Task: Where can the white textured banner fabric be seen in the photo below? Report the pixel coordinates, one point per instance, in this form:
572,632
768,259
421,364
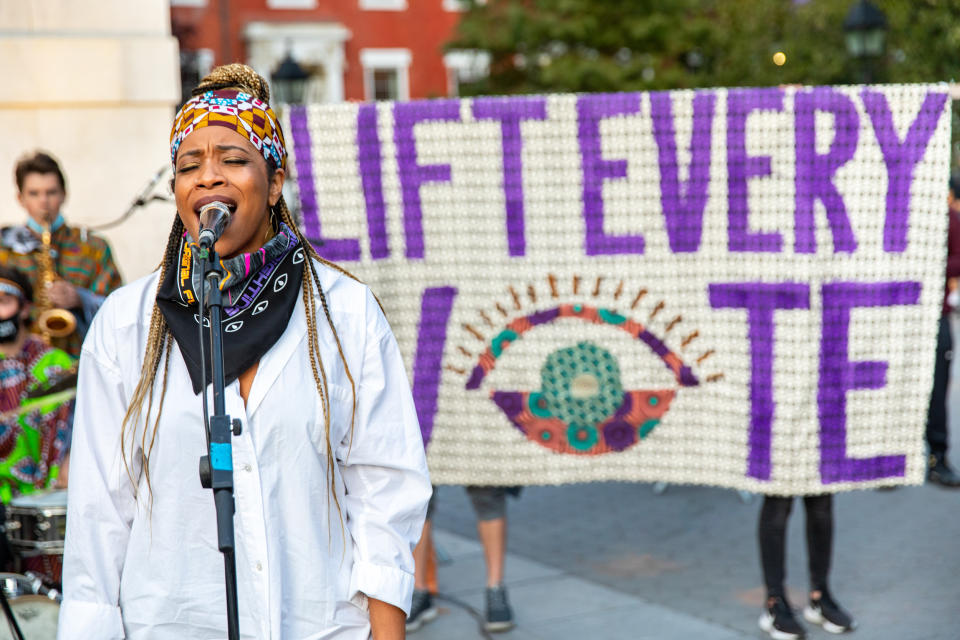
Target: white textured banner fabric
736,287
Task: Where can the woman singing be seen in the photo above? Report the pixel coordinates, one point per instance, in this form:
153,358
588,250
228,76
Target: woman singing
330,478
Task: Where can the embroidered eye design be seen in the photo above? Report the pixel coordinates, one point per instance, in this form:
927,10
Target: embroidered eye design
260,308
206,321
280,282
233,326
582,406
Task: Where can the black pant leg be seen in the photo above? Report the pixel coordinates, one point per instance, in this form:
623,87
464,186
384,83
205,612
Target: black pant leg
819,538
937,413
772,535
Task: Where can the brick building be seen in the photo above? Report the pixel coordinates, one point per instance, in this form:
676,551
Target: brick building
352,49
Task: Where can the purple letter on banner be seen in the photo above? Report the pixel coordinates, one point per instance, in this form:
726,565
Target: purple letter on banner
838,375
815,172
901,158
412,175
371,174
591,109
760,299
683,203
741,167
431,339
330,248
510,111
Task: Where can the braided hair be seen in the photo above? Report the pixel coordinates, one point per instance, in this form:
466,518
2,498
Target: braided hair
160,339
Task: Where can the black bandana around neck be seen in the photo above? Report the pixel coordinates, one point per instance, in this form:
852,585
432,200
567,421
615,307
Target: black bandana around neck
259,294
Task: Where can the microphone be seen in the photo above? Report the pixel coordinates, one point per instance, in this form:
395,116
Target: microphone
214,218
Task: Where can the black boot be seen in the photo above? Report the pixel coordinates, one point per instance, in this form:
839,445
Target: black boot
939,472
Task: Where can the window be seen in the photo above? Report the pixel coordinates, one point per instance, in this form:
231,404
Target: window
383,5
465,66
291,4
188,3
316,46
386,84
386,74
459,5
194,65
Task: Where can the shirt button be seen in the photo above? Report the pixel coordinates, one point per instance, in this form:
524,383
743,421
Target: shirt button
247,467
259,567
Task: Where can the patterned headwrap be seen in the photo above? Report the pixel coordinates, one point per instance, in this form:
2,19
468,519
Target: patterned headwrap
12,288
241,112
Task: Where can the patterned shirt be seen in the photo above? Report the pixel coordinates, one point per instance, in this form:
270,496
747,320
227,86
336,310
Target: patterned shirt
79,257
33,441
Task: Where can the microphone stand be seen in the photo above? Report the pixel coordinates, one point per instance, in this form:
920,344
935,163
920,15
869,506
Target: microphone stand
216,468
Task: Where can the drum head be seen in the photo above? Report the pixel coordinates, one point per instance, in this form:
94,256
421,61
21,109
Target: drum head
36,616
41,499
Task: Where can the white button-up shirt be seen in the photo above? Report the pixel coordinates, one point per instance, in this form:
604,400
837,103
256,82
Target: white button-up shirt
149,567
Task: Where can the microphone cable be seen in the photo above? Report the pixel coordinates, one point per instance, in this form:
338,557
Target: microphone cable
142,199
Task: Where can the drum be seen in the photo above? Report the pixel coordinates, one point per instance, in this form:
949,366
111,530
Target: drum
36,614
36,527
37,522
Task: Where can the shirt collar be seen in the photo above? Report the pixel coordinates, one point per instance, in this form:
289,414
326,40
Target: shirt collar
37,228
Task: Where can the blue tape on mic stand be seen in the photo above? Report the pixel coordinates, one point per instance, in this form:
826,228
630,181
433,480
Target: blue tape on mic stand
221,458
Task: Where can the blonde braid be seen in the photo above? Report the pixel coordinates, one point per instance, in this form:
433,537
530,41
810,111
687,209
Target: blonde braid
235,76
311,282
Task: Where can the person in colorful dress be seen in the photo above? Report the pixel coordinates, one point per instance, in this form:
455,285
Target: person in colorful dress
85,271
330,480
34,425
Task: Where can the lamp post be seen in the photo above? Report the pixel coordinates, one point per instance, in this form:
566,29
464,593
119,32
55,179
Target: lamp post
865,30
289,81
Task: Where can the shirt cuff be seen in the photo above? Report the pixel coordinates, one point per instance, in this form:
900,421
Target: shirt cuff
80,620
387,584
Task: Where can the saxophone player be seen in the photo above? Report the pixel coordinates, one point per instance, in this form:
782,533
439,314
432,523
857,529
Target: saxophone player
70,269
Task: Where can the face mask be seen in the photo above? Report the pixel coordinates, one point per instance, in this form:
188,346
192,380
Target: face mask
9,328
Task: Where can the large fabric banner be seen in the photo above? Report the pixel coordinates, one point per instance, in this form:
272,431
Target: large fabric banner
736,287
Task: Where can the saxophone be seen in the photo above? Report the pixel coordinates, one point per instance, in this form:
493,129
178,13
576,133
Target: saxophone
51,322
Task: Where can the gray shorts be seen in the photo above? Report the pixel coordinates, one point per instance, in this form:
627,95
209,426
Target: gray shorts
489,503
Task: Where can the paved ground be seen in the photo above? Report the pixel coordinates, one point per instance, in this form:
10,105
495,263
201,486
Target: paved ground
614,561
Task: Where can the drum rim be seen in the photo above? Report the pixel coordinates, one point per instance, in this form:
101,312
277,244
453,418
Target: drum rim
33,511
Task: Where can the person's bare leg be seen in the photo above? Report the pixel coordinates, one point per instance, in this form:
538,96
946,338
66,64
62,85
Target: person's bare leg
421,557
493,536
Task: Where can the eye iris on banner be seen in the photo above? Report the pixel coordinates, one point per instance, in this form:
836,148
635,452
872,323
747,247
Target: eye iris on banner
582,383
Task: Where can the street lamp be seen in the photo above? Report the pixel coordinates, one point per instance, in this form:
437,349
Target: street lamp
865,28
289,81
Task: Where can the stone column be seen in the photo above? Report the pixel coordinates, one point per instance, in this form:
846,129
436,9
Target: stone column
96,84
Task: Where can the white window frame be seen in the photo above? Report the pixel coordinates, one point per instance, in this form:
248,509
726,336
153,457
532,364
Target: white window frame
188,3
473,60
291,4
383,5
386,59
457,6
